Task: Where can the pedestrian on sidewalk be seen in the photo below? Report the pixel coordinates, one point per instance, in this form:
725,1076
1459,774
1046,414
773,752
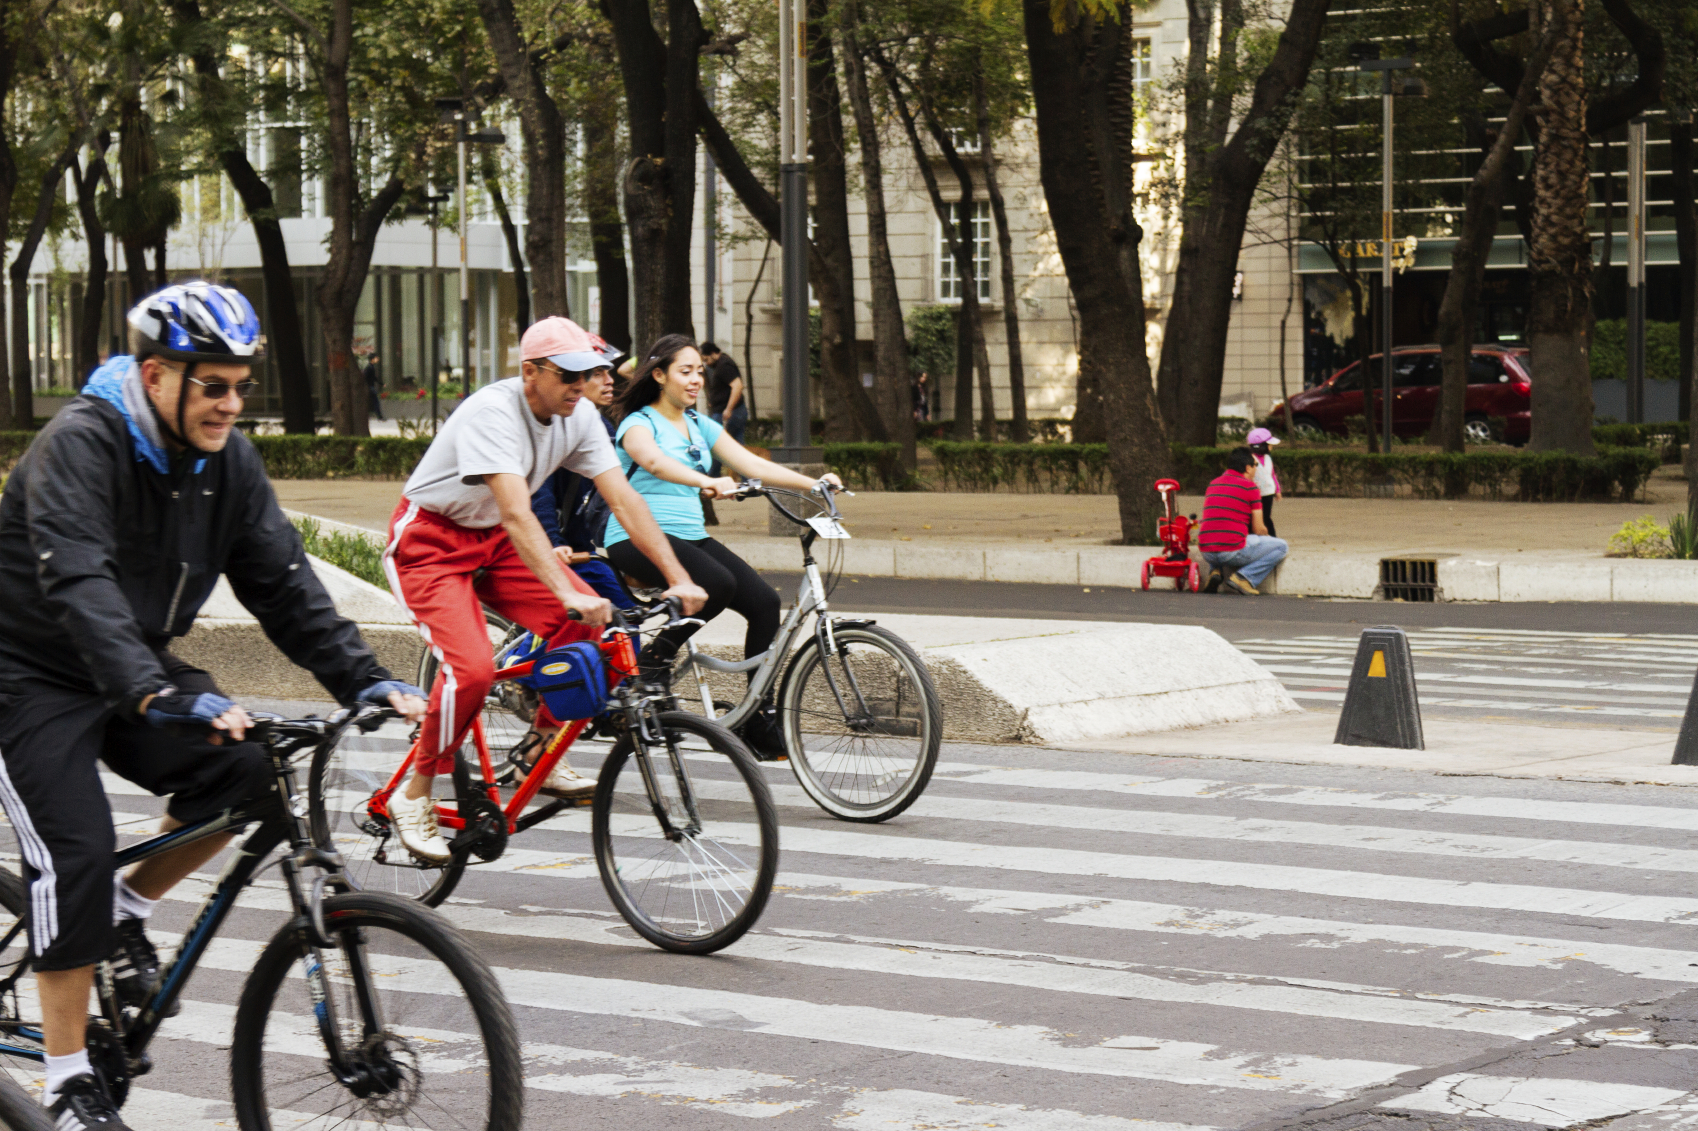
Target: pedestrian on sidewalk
374,386
1233,539
1261,440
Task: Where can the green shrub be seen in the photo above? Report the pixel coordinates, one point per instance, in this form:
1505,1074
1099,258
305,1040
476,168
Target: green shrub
362,557
931,342
1062,469
1666,438
1524,476
868,466
1609,350
339,457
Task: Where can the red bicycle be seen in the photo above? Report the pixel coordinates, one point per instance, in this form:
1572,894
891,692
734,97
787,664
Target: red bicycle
682,824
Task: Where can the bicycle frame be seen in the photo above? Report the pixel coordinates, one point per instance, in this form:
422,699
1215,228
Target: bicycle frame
621,663
278,822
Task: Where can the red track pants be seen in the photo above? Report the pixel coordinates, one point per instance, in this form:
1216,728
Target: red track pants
430,562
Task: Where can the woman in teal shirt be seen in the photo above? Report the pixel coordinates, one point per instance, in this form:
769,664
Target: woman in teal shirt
667,448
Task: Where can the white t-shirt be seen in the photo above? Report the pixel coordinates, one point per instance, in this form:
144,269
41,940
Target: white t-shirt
493,432
1265,481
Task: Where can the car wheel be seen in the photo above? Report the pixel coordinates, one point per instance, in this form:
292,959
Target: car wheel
1477,430
1307,428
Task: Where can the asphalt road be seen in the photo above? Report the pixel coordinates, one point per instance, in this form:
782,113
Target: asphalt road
1578,664
1052,941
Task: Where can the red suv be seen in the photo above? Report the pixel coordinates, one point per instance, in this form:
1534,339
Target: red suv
1498,385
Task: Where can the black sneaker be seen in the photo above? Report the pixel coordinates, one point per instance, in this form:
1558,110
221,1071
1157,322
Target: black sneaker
764,736
83,1105
135,966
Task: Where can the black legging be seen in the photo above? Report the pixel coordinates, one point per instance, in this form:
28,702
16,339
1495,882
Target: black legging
731,583
1267,514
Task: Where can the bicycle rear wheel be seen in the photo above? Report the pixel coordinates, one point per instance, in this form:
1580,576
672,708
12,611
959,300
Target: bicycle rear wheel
863,725
689,864
435,1045
19,1110
17,1075
340,784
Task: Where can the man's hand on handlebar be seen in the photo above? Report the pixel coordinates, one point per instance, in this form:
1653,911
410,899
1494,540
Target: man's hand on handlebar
206,709
829,479
690,595
587,607
570,557
407,700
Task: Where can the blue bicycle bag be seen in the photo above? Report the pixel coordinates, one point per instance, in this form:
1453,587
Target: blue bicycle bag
572,680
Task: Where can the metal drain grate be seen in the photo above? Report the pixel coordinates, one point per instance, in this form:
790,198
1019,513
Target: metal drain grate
1409,579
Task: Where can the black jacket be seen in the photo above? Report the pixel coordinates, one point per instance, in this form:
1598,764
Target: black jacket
109,546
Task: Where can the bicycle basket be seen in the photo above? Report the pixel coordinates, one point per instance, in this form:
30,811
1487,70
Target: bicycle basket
572,680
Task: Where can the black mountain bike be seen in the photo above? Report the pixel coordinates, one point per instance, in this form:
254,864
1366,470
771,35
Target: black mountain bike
364,1008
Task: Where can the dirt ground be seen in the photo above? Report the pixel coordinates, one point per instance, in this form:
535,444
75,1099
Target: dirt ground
1343,525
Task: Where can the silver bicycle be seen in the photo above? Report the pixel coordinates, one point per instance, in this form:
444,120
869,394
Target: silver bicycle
861,720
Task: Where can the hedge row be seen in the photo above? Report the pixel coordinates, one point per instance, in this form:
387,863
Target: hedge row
1526,476
1061,469
337,457
1666,438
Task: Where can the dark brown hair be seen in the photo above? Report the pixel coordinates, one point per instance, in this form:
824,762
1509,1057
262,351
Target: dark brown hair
643,390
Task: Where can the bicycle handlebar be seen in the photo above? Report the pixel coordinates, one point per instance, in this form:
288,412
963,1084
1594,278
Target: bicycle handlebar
270,728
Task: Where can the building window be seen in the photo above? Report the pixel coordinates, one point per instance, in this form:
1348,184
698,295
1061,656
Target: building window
949,283
1142,68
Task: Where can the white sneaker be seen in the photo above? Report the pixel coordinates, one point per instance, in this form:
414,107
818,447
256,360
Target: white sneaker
568,783
415,824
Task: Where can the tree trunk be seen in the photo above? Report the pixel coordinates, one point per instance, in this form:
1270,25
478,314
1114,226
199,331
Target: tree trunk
963,429
354,227
661,100
961,250
853,416
543,134
10,21
1081,92
1020,429
285,338
1481,209
86,351
1221,176
1559,259
23,386
607,230
890,336
1686,243
510,233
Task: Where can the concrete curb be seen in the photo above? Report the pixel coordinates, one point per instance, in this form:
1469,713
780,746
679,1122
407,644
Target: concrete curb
1461,576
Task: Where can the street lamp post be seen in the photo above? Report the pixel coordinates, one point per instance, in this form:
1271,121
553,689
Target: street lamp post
431,200
1367,59
793,230
1636,271
453,110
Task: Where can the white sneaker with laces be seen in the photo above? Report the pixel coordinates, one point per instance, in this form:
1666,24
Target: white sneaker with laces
568,783
415,824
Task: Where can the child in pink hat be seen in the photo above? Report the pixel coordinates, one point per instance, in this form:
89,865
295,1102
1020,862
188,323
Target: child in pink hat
1260,440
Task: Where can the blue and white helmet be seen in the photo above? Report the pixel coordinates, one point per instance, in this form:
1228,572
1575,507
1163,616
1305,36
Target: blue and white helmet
196,321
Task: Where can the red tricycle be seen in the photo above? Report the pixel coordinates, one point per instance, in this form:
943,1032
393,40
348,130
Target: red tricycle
1175,531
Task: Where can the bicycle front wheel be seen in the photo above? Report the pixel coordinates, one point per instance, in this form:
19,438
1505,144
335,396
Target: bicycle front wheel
425,1035
862,725
685,834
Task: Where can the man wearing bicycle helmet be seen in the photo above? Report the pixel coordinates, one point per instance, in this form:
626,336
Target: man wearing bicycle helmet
464,536
114,527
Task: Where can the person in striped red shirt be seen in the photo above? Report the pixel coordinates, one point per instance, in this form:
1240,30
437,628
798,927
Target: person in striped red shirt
1233,538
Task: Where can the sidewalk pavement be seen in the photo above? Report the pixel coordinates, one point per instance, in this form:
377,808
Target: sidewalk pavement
1484,551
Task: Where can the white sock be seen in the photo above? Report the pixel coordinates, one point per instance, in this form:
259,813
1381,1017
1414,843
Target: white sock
61,1069
127,904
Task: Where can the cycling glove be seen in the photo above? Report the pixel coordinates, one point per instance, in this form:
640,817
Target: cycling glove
173,709
379,693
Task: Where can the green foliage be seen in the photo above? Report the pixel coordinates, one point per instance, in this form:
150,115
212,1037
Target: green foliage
1666,438
931,341
869,466
1683,535
1055,469
1609,350
339,457
1614,473
1641,538
362,557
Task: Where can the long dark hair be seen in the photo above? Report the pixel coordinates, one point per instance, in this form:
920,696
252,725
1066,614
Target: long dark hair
642,389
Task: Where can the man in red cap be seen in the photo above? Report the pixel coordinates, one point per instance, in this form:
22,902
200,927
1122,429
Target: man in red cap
464,536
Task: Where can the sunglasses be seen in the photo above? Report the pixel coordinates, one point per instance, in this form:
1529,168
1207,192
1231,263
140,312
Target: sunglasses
218,390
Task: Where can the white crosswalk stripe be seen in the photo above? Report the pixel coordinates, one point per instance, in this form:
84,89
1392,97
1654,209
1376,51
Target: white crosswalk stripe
1641,679
1172,952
